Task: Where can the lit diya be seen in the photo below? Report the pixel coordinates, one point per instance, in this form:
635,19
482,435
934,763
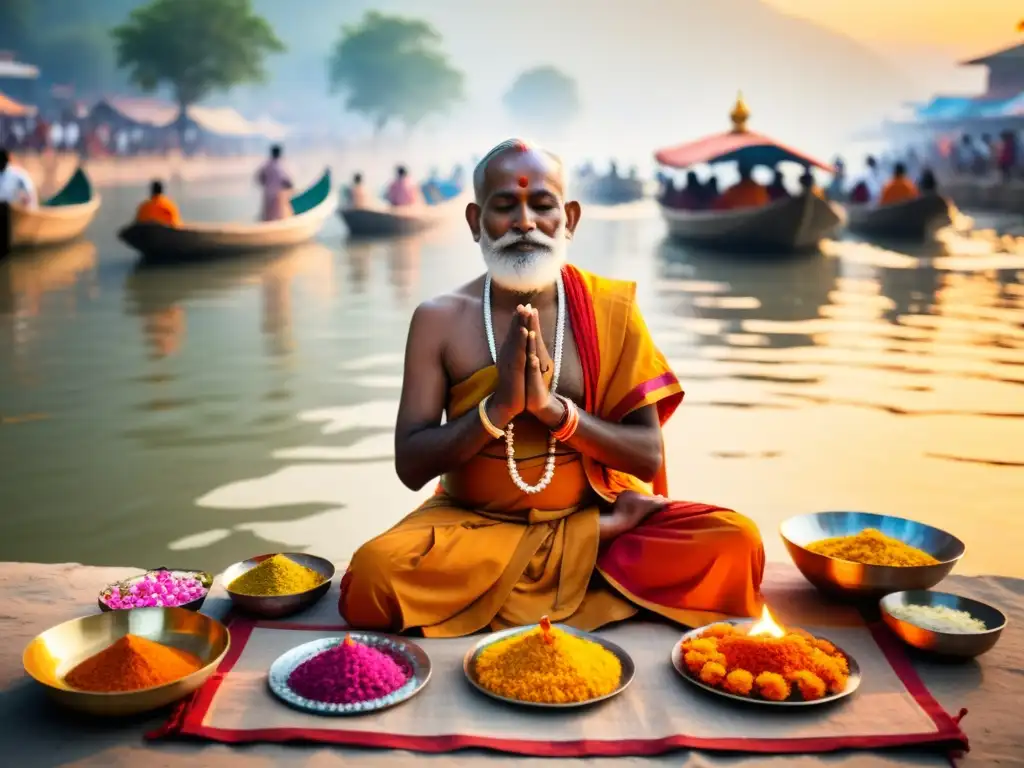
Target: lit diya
764,662
548,666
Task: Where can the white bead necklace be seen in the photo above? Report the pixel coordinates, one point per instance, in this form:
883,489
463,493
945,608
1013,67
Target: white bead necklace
510,452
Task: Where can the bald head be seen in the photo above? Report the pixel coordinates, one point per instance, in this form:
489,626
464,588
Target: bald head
515,151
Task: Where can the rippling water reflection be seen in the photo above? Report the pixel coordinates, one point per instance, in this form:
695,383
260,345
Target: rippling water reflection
196,416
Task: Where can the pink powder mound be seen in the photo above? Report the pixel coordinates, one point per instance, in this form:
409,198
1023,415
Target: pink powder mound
350,673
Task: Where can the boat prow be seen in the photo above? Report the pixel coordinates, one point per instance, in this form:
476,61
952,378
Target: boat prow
197,241
910,220
62,218
402,220
794,224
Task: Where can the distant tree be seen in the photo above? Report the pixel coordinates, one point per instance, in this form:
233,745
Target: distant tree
15,25
391,69
543,98
195,47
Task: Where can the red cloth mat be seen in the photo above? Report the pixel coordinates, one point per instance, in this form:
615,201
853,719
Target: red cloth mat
659,712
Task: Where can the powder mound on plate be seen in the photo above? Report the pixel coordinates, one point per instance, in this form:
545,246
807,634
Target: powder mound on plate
349,673
872,547
132,664
547,665
277,575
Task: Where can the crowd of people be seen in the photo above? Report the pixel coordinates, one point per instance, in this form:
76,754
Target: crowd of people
402,191
704,195
979,156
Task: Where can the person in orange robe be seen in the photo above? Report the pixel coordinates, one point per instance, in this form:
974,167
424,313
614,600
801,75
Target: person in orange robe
158,209
746,193
900,188
601,540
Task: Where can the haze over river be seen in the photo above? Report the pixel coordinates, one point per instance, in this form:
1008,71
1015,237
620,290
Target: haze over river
195,416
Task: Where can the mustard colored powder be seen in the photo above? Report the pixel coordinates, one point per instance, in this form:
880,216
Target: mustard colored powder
276,576
527,667
872,547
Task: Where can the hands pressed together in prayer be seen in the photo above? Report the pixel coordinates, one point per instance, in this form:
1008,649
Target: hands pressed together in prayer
523,361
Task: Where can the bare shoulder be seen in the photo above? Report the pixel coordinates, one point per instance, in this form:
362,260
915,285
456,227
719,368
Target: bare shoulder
435,317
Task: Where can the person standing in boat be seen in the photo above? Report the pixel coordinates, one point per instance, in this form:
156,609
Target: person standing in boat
777,189
402,191
276,188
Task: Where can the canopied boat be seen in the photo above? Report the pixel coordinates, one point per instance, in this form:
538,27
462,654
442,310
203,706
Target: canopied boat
195,241
60,219
793,223
914,219
385,221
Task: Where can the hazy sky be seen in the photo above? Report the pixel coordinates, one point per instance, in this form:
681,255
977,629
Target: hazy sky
946,24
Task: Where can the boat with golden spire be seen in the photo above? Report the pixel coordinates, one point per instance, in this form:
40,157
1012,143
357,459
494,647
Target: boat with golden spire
790,223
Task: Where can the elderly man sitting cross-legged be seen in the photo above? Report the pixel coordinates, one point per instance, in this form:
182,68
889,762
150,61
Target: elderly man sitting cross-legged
552,479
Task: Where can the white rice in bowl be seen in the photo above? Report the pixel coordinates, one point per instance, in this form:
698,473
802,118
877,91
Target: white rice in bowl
939,618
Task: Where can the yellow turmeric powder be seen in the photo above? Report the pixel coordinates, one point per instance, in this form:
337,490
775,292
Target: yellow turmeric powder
872,547
547,665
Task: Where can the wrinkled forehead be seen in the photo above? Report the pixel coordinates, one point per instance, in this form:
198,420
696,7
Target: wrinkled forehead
532,170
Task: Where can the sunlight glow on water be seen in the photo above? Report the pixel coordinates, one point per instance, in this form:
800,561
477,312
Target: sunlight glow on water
193,417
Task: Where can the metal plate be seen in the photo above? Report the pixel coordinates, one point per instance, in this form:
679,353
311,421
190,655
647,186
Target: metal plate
852,682
287,663
469,666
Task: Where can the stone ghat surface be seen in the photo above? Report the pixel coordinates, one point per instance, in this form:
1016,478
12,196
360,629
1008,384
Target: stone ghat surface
35,733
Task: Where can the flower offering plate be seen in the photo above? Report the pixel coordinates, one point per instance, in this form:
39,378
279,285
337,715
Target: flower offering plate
852,682
469,666
286,663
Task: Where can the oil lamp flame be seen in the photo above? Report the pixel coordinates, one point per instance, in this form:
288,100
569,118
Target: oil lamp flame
766,626
545,628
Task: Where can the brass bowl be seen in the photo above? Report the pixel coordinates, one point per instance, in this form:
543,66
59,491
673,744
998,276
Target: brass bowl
842,578
951,644
206,579
277,606
58,650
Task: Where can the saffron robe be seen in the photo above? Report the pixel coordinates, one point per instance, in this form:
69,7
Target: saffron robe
899,190
480,553
745,194
158,210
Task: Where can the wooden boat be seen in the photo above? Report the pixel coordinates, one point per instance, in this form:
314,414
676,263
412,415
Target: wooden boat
402,220
60,219
197,241
793,224
911,220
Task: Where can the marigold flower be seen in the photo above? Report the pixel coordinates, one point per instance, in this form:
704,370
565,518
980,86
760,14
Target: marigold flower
712,673
739,681
772,686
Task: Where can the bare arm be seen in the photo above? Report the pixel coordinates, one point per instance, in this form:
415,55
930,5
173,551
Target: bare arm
633,446
425,448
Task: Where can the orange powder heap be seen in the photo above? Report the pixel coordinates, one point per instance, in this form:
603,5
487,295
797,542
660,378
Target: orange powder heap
131,664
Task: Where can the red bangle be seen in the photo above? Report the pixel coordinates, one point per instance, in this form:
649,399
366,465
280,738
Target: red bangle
572,421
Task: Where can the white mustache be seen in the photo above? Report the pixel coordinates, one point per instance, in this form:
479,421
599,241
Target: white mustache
512,239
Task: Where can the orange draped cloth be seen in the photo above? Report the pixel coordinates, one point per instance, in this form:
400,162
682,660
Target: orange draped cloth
480,553
746,194
899,190
158,210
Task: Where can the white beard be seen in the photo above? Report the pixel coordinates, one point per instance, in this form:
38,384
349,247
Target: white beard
525,271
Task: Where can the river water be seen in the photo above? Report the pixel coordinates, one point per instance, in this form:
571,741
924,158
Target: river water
195,416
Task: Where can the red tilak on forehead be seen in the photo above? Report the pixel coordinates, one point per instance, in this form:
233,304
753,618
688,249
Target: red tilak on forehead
524,182
521,146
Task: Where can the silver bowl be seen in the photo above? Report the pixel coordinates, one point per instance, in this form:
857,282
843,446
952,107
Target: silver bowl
950,644
58,650
206,579
276,606
843,578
